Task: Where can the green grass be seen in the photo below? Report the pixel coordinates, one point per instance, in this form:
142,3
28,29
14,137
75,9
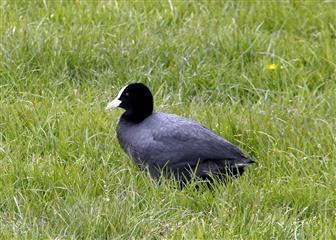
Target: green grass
63,174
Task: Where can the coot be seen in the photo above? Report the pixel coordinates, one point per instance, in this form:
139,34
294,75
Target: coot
170,145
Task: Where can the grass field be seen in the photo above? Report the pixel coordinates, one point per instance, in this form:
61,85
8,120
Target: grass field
63,174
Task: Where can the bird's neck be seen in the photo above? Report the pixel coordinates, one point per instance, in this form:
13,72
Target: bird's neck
136,116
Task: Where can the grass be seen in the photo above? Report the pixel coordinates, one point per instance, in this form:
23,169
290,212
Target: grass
63,174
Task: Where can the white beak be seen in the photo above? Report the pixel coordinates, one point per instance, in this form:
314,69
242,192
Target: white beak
115,103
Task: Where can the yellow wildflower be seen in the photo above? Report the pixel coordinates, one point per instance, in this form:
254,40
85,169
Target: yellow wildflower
271,66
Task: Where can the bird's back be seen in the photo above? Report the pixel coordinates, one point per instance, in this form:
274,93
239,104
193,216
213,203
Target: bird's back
180,144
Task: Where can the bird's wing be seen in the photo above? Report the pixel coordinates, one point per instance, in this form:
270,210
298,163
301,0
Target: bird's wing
186,143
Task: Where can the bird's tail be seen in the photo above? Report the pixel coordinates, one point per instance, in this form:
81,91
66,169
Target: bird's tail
237,167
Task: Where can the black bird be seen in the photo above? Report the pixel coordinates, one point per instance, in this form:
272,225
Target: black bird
171,145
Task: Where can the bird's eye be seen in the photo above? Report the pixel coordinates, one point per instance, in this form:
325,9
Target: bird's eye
126,94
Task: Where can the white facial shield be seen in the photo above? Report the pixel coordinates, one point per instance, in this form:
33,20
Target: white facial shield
115,102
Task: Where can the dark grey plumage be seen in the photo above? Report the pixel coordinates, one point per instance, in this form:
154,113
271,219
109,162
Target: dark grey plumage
170,144
179,144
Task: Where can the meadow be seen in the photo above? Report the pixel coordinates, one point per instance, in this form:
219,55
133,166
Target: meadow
260,74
